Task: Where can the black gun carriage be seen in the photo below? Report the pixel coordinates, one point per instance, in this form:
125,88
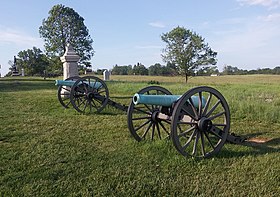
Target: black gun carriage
198,122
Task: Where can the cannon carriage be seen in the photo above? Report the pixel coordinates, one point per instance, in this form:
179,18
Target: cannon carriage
87,94
198,122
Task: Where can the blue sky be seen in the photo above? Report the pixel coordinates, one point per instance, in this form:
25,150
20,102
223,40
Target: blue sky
245,33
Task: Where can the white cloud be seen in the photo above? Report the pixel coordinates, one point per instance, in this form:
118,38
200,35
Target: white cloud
157,24
253,43
275,17
18,38
271,4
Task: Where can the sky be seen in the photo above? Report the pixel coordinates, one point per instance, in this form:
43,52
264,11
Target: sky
245,33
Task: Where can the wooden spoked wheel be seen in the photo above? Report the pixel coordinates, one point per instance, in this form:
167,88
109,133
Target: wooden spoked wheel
200,126
142,118
89,95
63,93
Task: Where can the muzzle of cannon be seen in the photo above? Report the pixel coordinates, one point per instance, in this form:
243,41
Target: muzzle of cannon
198,121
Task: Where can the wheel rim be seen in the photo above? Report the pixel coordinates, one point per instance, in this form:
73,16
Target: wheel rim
87,98
142,118
63,93
200,130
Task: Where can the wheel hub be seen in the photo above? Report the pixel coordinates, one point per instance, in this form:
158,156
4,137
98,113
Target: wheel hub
204,124
90,95
155,115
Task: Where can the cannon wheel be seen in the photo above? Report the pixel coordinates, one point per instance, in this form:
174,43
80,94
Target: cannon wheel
140,119
200,130
63,93
87,98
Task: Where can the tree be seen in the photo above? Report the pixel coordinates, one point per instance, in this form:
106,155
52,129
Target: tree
122,70
207,71
276,70
187,50
63,26
230,70
160,70
140,69
156,69
33,61
55,67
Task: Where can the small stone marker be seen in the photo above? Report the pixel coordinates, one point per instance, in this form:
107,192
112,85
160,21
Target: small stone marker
106,75
22,72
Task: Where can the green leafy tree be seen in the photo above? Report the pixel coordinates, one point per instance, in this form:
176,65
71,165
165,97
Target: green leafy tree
33,61
122,70
161,70
208,71
140,69
55,67
230,70
64,25
156,69
187,50
276,70
172,69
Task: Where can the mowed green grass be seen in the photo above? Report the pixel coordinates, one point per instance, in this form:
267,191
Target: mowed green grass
46,150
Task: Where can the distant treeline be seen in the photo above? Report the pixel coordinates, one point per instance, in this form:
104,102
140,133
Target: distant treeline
230,70
171,70
49,68
140,69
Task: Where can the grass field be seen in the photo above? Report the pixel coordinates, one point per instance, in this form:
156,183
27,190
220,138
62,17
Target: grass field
46,150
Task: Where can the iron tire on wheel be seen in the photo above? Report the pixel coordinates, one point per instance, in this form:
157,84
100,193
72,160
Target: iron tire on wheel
201,129
89,94
63,93
139,118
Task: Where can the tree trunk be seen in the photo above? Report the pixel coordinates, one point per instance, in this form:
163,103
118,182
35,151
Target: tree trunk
186,74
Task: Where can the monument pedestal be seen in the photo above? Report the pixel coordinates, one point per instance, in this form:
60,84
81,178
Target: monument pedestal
70,67
70,62
15,73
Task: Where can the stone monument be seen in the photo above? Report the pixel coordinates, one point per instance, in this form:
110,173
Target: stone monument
14,68
70,62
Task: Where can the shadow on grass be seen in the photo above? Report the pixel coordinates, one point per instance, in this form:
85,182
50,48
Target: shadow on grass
25,79
109,110
260,146
16,85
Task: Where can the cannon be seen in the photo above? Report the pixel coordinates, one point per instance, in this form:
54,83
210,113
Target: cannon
198,122
87,94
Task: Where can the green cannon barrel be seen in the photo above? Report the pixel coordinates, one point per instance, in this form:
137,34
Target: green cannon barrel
71,83
163,100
